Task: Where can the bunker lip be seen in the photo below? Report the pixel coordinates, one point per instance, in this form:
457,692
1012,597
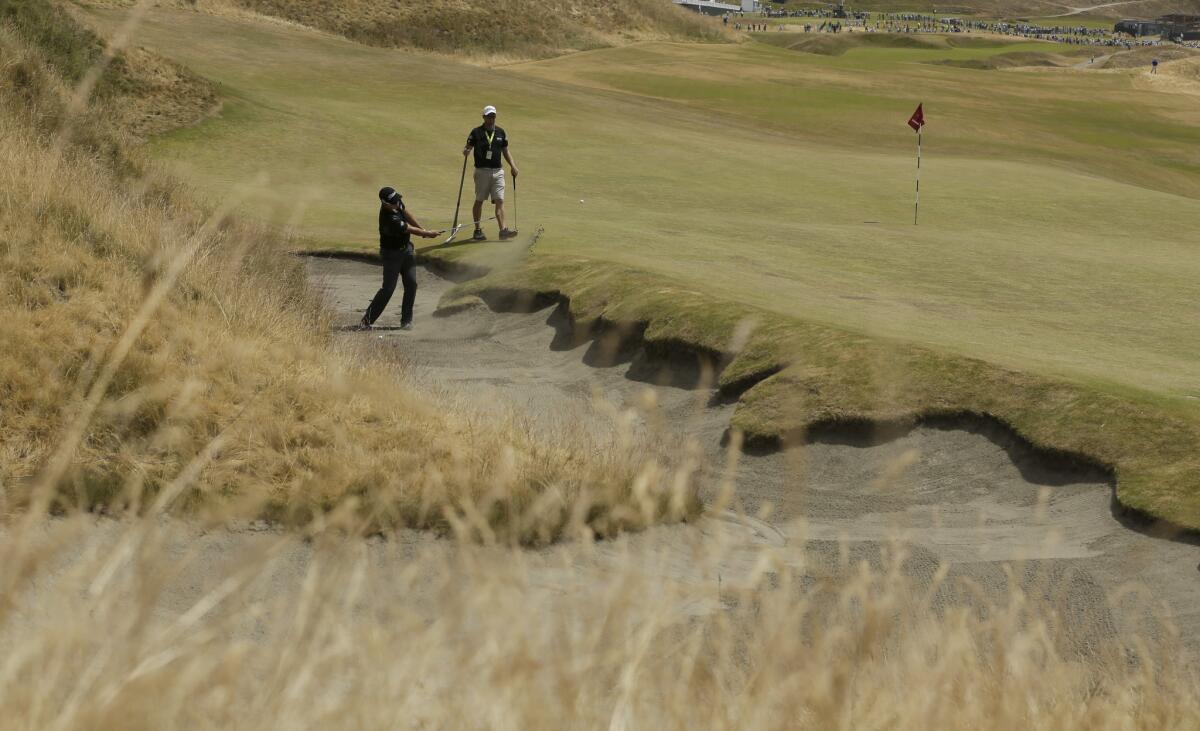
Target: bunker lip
676,363
1038,464
613,341
610,344
691,364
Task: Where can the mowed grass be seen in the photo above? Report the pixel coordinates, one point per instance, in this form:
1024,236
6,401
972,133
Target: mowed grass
1054,234
752,173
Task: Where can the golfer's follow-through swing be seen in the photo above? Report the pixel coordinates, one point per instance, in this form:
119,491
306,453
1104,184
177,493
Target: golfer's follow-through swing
396,228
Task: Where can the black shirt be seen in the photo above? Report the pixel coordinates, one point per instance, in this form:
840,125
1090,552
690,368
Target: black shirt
479,140
393,228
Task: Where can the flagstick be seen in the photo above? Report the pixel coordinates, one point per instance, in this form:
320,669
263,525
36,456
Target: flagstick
917,204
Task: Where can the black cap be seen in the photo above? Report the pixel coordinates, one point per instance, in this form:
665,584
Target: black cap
388,195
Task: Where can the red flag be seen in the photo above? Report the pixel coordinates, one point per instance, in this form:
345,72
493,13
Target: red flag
917,120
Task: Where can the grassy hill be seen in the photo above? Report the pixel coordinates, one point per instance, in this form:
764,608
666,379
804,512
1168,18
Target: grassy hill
142,94
1140,58
730,181
507,29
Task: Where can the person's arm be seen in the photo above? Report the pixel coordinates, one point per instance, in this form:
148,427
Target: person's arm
412,221
402,225
424,233
470,143
512,165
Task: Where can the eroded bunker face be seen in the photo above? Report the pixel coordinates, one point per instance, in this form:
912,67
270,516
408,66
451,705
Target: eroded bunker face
960,492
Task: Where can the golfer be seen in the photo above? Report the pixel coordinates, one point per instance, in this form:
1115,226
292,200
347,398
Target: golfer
489,142
396,227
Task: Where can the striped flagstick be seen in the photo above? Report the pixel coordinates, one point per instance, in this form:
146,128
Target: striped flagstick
917,201
917,121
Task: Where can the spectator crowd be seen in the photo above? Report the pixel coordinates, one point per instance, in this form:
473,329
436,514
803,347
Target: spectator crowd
834,20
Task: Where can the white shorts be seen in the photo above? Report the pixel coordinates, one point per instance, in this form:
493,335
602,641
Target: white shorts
489,183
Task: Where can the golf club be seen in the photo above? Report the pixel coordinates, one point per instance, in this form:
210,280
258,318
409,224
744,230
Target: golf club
514,228
460,226
462,179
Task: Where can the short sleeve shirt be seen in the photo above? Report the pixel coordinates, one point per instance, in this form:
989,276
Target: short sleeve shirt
485,141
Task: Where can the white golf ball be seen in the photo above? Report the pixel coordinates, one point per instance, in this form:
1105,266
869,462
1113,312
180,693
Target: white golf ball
581,200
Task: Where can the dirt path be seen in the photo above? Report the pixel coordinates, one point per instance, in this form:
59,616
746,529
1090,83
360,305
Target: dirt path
1093,63
973,499
1088,9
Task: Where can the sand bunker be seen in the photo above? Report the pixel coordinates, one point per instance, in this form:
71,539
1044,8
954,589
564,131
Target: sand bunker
1014,60
974,499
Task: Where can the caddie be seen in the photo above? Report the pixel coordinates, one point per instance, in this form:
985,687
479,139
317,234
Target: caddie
490,143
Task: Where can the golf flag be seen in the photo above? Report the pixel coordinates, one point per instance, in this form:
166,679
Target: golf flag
917,120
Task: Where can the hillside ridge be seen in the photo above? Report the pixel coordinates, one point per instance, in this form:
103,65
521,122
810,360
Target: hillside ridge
511,30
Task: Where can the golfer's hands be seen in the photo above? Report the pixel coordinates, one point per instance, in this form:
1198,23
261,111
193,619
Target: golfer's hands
432,234
514,173
466,151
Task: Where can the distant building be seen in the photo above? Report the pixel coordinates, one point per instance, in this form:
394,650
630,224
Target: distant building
1138,28
1181,27
1175,27
709,7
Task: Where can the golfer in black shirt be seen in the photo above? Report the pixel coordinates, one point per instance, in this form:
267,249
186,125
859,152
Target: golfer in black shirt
489,143
396,227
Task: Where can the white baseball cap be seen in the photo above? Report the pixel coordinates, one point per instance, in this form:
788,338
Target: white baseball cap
489,109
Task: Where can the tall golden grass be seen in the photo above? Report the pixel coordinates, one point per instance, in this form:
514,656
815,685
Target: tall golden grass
143,332
144,623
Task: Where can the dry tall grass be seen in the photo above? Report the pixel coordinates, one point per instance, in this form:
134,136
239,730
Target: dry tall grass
141,624
144,333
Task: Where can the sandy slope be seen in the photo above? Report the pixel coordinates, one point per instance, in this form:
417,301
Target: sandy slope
973,500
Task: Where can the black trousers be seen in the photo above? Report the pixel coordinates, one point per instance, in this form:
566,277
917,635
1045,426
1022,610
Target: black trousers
397,264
